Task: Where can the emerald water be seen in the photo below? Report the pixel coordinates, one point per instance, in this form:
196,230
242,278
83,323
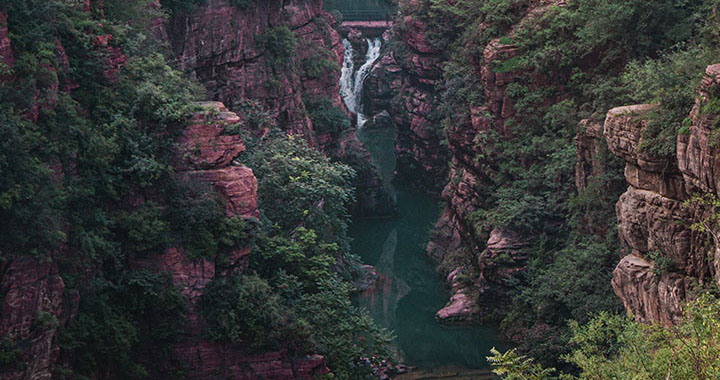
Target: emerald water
409,291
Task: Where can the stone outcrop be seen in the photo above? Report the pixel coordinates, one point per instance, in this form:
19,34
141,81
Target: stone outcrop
6,54
653,219
697,153
588,146
651,297
209,151
462,306
405,87
224,46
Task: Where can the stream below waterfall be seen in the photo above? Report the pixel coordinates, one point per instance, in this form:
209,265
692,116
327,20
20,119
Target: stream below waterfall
409,290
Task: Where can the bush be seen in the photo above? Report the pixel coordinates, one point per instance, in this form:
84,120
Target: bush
126,326
244,308
279,44
326,117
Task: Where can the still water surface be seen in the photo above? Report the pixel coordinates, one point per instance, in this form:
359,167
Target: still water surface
409,291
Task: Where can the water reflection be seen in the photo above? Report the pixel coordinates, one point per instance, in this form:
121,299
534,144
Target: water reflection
409,291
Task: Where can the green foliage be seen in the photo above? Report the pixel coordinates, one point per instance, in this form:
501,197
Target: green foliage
125,325
298,186
661,263
256,118
511,366
319,64
569,63
10,352
279,44
613,347
302,247
244,309
345,333
325,116
669,81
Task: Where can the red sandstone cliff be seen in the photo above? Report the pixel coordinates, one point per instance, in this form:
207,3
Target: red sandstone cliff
208,155
223,47
405,86
35,302
653,221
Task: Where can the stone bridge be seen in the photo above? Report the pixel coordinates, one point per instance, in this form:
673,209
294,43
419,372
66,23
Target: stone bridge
368,28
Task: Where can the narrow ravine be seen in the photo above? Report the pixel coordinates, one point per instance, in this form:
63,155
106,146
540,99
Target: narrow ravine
409,290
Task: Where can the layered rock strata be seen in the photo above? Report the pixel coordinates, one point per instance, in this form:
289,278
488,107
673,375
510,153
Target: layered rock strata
209,154
667,258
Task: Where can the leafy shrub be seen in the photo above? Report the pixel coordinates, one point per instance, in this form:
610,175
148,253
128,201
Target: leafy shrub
279,44
326,117
614,347
298,185
244,308
126,326
671,82
319,65
10,352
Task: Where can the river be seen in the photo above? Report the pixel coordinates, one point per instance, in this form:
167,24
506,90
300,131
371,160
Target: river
410,291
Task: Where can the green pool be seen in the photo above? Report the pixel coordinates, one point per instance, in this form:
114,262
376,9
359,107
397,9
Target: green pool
410,291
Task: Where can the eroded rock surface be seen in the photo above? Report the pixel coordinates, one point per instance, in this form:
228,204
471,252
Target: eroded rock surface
667,258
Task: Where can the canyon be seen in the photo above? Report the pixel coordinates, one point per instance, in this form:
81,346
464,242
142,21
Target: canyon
391,89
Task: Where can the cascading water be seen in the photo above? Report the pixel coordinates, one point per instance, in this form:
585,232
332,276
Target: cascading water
351,81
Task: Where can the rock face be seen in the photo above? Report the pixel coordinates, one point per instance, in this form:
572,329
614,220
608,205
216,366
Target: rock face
237,55
242,55
404,84
6,54
697,154
208,151
651,297
653,219
31,309
405,87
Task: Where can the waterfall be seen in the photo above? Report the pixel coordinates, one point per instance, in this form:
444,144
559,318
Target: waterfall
351,81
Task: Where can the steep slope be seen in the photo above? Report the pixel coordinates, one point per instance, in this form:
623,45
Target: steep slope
518,92
280,59
668,259
128,224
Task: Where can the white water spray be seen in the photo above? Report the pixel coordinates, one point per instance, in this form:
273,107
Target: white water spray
351,81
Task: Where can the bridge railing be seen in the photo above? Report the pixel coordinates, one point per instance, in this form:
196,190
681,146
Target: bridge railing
365,15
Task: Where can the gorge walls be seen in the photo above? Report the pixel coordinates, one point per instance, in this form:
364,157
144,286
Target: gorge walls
136,155
403,85
283,59
242,53
518,109
669,261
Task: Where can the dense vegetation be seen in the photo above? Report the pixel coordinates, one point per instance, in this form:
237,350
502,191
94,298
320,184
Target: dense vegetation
88,182
614,347
575,61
